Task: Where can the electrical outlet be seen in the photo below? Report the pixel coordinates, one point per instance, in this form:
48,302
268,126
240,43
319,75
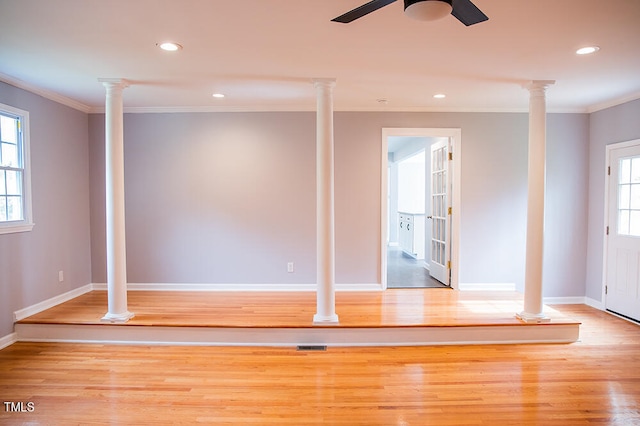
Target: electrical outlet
290,267
60,276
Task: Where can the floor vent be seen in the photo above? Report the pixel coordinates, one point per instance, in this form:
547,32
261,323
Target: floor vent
311,348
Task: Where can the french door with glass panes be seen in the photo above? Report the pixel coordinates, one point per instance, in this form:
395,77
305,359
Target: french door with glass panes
439,264
622,291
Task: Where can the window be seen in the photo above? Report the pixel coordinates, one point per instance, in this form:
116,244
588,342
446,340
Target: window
15,182
629,197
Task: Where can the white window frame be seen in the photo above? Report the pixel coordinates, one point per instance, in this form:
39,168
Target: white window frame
26,224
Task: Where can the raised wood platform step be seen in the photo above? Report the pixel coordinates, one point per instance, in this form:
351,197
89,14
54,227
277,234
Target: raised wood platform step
389,318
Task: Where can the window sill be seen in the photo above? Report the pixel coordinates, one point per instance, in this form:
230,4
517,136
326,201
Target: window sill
11,229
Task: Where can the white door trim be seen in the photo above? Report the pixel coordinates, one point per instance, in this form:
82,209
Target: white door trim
456,142
605,244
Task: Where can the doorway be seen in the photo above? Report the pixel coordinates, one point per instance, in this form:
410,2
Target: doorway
419,219
622,242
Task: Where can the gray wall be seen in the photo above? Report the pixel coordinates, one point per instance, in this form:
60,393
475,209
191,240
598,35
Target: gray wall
566,203
230,198
30,261
212,198
612,125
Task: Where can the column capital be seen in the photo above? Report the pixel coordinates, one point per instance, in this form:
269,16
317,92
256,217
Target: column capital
114,82
324,82
538,85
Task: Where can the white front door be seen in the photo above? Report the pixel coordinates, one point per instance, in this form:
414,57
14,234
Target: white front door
622,294
439,265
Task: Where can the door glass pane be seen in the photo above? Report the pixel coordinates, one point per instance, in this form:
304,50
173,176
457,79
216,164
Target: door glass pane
634,223
625,170
629,196
2,183
3,209
623,222
624,196
635,170
635,197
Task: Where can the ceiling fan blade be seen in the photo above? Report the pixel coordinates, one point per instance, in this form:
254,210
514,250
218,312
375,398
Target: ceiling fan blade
467,12
359,12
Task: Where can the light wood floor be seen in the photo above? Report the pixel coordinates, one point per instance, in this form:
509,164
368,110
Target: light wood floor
594,381
394,307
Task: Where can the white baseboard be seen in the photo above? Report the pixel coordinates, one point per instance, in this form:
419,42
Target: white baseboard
50,303
8,340
487,286
564,300
237,287
357,287
594,303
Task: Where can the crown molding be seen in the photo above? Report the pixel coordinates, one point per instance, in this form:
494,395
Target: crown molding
72,103
302,108
613,102
48,94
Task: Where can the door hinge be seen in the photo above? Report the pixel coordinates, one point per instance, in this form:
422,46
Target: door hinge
449,211
448,264
606,289
451,156
607,230
609,171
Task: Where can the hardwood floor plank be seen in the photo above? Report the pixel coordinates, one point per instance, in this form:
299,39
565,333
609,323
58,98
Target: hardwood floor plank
595,380
395,307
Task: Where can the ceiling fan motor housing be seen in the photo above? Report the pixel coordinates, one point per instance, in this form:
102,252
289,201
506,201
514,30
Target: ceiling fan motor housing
427,10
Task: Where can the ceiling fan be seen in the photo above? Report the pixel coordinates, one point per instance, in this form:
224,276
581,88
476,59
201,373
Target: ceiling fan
425,10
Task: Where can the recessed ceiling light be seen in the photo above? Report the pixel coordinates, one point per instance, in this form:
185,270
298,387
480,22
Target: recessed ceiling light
169,46
218,95
440,96
587,50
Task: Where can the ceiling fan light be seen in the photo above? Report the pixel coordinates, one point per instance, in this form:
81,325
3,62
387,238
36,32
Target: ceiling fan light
427,10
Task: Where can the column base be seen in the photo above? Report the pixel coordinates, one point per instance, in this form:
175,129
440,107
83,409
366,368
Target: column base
117,318
532,318
325,319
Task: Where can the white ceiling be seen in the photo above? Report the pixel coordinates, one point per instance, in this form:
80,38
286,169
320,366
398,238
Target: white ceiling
262,54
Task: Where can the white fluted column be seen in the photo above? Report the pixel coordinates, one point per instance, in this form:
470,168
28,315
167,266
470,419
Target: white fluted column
116,241
326,297
533,307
